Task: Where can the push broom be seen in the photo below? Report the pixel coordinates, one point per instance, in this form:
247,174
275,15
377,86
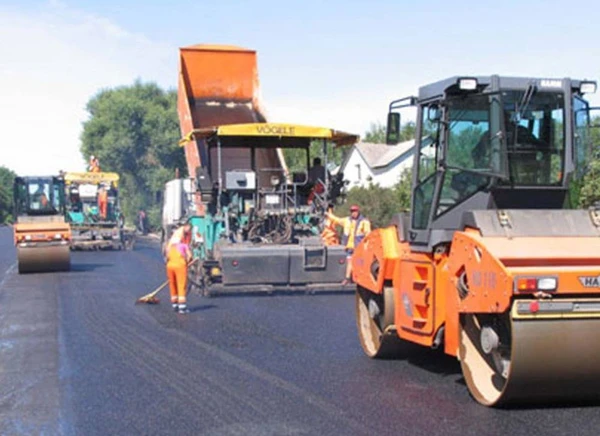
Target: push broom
151,297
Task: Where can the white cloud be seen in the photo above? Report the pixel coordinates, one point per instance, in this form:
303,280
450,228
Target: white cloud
53,59
51,63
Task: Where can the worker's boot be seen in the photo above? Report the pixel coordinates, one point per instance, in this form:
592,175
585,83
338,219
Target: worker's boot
175,307
183,309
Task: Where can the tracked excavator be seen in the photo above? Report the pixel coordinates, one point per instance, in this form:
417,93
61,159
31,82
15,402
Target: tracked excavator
492,264
41,235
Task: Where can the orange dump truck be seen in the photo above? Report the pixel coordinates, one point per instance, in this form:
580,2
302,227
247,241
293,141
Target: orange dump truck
41,235
218,85
491,264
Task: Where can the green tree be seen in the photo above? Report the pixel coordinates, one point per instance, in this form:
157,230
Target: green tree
380,204
376,133
134,131
586,191
6,204
403,190
295,158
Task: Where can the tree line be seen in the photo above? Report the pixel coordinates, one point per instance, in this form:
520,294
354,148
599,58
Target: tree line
134,131
7,177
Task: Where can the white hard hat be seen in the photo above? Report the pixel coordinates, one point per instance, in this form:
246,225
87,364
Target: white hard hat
92,157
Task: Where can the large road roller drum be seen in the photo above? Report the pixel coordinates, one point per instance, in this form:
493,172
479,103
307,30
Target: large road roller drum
542,352
44,259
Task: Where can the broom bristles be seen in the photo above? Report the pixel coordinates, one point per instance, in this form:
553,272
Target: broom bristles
148,299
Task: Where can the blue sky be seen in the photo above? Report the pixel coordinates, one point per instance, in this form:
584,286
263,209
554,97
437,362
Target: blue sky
335,63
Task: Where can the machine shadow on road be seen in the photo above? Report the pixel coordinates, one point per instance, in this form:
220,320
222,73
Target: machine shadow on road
435,361
87,267
269,293
550,405
202,307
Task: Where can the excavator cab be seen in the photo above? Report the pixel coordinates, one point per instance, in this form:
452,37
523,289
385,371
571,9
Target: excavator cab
492,264
41,235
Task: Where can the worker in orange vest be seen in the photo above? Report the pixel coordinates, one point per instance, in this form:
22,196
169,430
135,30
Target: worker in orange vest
356,227
179,255
329,234
94,165
102,202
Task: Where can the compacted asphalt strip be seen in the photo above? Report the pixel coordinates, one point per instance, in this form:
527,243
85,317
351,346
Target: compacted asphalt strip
77,356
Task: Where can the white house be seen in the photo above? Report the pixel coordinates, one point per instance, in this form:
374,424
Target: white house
377,163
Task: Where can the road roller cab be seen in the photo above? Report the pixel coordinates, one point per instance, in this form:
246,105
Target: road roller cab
492,264
41,235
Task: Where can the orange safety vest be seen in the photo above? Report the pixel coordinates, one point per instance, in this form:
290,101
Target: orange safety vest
94,166
176,256
354,230
329,234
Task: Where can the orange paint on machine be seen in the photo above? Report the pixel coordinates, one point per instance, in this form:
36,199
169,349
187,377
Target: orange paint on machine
491,265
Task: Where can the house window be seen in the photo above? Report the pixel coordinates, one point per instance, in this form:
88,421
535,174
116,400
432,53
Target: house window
358,173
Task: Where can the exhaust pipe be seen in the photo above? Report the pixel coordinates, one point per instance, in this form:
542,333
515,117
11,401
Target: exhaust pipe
439,338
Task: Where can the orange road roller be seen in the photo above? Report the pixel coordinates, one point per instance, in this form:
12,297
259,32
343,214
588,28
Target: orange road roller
494,263
41,235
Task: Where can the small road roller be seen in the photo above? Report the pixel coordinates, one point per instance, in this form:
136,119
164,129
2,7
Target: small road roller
41,235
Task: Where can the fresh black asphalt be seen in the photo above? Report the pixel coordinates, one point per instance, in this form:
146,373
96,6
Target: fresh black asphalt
78,357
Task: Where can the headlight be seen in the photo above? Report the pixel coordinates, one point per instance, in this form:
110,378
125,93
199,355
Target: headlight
547,284
467,84
587,87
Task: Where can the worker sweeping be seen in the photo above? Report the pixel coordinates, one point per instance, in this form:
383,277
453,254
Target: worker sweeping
178,256
356,227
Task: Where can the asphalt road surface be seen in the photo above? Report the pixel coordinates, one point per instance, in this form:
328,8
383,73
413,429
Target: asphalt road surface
78,357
